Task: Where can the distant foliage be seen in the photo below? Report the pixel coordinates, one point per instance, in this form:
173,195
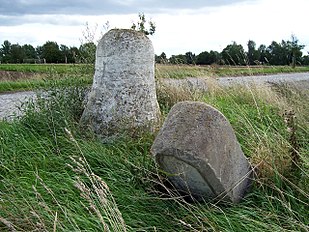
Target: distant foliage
283,53
234,54
208,58
252,54
162,59
87,53
277,53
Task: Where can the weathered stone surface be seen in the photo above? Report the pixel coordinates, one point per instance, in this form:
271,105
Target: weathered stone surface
198,147
123,96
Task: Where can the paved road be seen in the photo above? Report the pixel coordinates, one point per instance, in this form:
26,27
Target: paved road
9,102
301,80
295,78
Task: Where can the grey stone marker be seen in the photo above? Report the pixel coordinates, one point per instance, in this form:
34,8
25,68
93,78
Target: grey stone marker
197,146
123,96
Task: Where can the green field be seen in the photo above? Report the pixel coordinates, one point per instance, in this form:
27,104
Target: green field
180,71
55,176
48,68
171,71
19,77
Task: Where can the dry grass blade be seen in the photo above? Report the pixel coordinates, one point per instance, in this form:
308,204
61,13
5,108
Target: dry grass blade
8,224
97,193
55,222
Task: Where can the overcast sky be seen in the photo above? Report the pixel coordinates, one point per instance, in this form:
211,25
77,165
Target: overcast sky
182,26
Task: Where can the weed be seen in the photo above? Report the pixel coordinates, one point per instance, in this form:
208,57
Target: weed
173,91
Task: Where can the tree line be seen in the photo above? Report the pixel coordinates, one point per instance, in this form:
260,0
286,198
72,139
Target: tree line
283,53
50,52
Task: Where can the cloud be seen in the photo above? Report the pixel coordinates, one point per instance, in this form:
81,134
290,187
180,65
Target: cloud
64,20
196,26
99,7
25,7
215,28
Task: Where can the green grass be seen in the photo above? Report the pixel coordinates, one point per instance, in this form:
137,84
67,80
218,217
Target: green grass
23,77
25,85
54,176
182,71
35,76
49,68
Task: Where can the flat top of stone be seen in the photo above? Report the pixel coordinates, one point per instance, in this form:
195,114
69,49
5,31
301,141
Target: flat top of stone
130,31
124,44
114,35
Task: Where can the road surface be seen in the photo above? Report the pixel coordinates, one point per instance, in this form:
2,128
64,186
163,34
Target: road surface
10,103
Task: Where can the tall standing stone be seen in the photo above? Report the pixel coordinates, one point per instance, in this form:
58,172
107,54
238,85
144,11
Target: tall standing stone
123,96
198,147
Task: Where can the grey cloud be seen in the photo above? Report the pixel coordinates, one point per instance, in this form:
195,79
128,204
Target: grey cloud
82,7
99,7
13,20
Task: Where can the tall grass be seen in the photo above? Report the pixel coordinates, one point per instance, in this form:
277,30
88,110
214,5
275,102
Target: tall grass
54,176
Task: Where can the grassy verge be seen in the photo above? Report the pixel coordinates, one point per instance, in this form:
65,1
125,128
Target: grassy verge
56,177
49,68
162,71
21,77
25,85
181,71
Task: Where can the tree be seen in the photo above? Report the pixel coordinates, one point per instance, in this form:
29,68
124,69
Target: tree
39,53
6,52
305,60
178,59
207,58
11,53
65,52
17,54
233,54
276,53
252,54
30,53
140,26
162,59
203,58
51,52
74,53
87,53
263,54
295,50
190,58
279,53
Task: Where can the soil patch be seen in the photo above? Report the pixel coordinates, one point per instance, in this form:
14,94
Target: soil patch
15,75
